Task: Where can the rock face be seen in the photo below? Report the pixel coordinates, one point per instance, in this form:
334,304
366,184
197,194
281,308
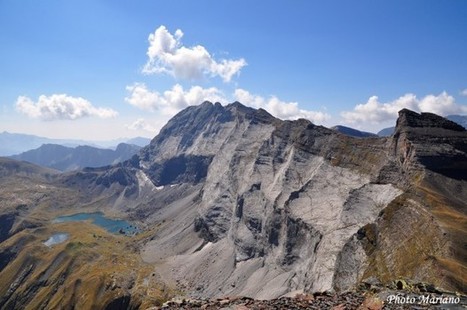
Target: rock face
239,203
428,161
290,206
437,143
458,119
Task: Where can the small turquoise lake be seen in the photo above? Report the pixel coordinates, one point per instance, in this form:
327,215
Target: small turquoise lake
98,218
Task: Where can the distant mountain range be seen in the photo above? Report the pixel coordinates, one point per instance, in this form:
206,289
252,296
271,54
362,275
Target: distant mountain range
386,132
16,143
353,132
459,119
65,158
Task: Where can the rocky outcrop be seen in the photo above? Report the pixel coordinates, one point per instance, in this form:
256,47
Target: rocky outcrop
420,234
6,223
410,120
414,296
431,141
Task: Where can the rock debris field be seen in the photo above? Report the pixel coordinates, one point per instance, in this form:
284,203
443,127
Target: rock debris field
345,301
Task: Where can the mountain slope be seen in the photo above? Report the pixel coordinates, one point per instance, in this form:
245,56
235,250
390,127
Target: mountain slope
386,132
273,187
267,188
459,119
91,269
423,230
67,158
236,202
353,132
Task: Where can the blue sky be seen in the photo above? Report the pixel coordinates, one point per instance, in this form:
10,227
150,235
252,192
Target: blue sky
88,69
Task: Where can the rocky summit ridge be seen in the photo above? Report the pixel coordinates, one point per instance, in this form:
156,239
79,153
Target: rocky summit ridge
235,202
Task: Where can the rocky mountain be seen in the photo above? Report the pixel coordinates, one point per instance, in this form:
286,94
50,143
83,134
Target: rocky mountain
234,202
139,141
386,132
16,143
459,119
67,158
353,132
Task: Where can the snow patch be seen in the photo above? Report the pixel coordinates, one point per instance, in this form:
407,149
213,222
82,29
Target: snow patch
144,181
56,239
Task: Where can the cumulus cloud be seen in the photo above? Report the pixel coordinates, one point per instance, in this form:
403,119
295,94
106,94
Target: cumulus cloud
141,124
278,108
166,54
374,111
464,92
170,101
60,107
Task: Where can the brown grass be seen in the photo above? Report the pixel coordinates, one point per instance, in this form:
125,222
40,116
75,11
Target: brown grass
94,267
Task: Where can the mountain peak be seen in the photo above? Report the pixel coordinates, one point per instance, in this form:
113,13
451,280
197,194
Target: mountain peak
408,118
194,118
236,104
433,141
206,103
239,107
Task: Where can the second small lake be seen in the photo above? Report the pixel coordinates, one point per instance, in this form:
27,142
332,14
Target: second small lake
98,218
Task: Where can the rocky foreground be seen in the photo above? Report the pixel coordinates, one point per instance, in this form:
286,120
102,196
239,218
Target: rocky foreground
400,295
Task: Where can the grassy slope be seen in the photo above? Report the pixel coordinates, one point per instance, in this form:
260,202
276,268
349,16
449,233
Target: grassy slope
90,269
420,236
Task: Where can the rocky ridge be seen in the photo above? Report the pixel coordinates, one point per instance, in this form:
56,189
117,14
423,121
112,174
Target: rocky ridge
328,192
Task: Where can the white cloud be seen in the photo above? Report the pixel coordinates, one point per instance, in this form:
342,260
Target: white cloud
141,124
278,108
167,55
142,97
464,92
171,101
59,107
374,111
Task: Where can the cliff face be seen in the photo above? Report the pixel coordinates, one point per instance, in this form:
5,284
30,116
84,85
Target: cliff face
421,234
237,202
434,142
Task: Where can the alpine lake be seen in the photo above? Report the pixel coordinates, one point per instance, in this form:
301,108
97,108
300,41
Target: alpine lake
114,226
